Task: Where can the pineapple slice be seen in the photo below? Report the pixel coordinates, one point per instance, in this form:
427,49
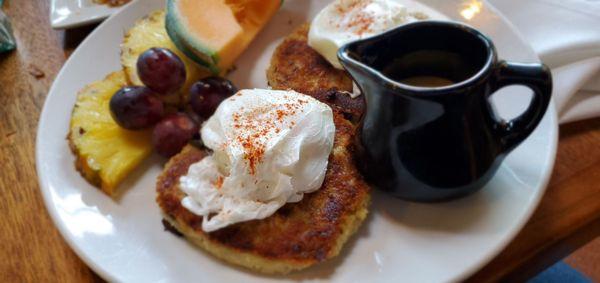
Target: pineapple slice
105,152
150,32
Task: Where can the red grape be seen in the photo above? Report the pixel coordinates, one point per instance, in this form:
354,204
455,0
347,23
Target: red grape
173,133
161,70
136,107
208,93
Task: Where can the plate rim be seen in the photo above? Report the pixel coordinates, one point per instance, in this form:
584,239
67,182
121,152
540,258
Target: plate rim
43,180
464,274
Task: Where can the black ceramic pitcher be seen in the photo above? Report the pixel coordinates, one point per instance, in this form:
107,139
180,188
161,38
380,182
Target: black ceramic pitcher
434,143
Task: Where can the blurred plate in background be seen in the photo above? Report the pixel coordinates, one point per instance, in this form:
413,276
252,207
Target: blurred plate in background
73,13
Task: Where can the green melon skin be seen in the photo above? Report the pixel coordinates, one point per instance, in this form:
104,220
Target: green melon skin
191,46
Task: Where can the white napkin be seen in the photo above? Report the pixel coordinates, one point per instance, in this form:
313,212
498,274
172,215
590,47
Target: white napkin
566,36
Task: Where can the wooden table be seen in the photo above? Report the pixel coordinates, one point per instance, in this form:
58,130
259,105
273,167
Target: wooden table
33,251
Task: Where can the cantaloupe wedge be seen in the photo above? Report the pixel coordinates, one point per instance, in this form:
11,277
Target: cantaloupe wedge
215,32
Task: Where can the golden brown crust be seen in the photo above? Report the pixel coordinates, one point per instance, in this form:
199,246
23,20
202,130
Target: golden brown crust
297,66
301,233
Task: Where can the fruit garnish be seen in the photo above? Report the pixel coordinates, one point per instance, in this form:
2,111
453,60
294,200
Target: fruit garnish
208,93
215,32
150,32
173,133
136,107
161,70
105,152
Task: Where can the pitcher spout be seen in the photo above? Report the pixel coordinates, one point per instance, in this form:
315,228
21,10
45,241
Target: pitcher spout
357,65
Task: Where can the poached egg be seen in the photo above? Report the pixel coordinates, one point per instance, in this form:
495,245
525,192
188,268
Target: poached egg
270,147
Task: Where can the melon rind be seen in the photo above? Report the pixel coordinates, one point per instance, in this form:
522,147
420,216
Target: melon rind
187,43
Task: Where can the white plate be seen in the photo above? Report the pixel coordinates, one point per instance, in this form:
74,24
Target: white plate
73,13
400,241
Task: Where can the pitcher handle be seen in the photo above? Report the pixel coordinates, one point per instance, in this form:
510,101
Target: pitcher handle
536,77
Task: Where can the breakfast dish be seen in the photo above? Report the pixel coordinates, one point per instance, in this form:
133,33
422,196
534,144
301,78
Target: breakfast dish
306,225
273,186
299,234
